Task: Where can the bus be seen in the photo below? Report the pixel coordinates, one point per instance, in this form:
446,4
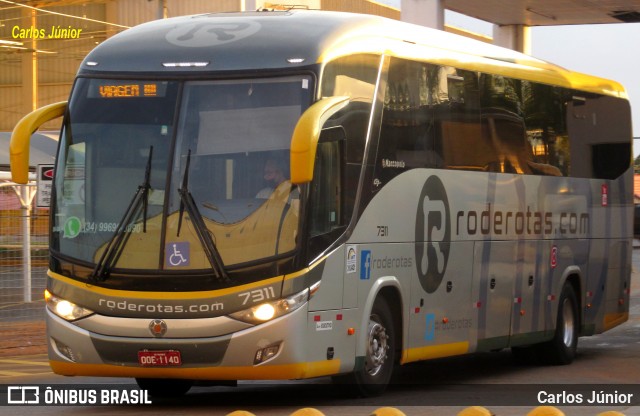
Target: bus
299,194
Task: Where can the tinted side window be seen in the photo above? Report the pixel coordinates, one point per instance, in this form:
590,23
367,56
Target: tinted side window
600,135
430,115
524,122
545,118
443,117
353,76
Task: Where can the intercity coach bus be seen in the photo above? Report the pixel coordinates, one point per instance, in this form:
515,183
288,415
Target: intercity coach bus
296,194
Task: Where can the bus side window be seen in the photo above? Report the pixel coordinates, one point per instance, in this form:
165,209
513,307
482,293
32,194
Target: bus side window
544,115
328,219
517,123
408,132
599,131
456,116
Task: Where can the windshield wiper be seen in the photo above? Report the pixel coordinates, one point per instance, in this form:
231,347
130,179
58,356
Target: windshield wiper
187,202
116,244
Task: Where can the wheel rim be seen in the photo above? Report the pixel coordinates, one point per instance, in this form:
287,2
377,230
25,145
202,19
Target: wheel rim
376,348
568,320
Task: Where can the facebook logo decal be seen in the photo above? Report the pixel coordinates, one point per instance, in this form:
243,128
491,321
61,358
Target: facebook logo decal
430,330
365,264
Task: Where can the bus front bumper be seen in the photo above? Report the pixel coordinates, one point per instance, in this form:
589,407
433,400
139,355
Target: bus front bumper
74,351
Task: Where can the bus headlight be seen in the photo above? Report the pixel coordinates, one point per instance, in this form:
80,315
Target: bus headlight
271,310
66,310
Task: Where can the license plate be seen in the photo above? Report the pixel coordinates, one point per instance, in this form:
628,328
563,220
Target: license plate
159,358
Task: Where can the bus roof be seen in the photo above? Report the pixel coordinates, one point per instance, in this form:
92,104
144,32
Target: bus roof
257,41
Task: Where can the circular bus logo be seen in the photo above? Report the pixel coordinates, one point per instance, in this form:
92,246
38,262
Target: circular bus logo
202,33
158,327
433,234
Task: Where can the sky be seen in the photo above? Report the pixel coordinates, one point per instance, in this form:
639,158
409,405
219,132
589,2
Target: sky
607,51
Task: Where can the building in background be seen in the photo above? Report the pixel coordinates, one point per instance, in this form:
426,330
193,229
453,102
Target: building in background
38,70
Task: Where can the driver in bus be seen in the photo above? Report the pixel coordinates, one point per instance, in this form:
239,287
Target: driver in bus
273,176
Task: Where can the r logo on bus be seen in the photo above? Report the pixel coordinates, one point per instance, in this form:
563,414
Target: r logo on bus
203,33
433,234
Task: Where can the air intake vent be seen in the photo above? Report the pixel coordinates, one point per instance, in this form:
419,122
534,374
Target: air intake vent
627,16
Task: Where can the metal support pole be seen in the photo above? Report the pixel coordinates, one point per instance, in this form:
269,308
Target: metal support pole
25,201
429,13
162,9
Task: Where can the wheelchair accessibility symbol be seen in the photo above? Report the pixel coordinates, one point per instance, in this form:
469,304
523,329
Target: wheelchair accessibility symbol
177,254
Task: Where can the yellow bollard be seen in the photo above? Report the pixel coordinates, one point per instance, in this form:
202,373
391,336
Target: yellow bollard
611,413
387,411
475,411
545,411
240,413
307,411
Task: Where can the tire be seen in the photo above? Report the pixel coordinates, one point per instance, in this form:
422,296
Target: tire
562,349
163,387
373,379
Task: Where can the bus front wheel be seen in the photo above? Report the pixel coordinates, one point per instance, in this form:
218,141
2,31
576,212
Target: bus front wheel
373,378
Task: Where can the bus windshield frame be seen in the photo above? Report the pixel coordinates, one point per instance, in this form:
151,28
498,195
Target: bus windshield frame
234,136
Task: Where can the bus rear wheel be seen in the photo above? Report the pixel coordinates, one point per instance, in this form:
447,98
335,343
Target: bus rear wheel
562,349
374,377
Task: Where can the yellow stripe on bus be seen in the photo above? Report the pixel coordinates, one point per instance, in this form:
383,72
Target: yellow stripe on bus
265,372
180,295
434,351
614,319
161,295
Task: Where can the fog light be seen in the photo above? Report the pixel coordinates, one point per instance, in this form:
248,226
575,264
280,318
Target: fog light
65,350
265,354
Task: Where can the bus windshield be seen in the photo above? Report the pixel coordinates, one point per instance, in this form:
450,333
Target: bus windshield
164,175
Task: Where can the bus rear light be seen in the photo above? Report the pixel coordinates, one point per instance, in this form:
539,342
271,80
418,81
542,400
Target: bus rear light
265,354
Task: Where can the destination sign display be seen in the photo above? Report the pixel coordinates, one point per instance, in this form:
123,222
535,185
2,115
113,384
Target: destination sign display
126,89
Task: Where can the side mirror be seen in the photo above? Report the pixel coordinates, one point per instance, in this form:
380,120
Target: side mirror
306,135
21,136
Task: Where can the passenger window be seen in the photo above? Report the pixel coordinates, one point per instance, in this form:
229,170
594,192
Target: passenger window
428,112
523,122
600,132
